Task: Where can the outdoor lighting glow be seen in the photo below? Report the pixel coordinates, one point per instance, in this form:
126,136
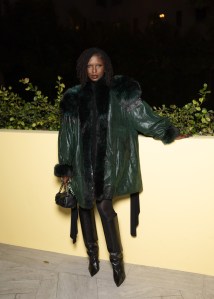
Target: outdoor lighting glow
162,16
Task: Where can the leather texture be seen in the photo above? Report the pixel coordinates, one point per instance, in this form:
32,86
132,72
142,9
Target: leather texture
65,199
128,115
113,241
89,232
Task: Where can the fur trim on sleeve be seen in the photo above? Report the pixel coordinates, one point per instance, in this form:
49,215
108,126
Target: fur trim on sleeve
170,134
61,170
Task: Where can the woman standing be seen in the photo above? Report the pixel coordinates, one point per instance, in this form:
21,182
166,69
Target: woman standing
98,148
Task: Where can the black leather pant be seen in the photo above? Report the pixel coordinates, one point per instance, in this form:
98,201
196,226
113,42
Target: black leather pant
105,209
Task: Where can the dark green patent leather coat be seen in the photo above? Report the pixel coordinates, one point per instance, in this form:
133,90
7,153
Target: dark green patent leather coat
127,116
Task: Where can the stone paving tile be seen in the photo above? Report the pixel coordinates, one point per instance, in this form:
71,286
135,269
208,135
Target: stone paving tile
209,287
26,296
73,265
192,295
35,274
133,288
7,265
25,273
8,296
47,289
168,278
28,255
75,286
14,287
209,283
32,261
31,253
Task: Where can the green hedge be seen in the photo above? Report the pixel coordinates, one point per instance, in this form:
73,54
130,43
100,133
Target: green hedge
38,114
41,114
192,118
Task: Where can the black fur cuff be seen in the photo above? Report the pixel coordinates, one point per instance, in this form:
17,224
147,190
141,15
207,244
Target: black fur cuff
170,135
61,170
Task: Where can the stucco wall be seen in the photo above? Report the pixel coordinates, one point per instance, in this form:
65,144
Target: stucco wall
176,228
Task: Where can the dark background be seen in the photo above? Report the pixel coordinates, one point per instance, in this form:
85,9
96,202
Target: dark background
171,67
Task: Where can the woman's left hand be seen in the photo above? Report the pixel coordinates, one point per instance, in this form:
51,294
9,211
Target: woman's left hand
182,136
65,179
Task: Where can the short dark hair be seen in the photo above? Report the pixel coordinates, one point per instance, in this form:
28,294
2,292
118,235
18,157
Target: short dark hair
82,62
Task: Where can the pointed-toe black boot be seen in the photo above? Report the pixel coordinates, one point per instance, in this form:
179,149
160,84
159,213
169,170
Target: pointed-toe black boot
119,275
113,241
89,232
92,250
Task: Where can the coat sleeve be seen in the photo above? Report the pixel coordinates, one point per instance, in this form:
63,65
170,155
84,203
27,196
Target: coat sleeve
65,141
66,137
143,119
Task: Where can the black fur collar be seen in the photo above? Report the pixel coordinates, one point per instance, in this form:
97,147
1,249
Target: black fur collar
93,115
122,86
93,91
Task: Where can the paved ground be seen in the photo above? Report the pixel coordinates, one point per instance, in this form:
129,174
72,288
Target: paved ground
34,274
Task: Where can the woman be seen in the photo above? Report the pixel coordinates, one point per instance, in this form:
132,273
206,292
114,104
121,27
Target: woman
98,148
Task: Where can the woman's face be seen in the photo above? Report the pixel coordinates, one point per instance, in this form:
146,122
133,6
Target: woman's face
95,68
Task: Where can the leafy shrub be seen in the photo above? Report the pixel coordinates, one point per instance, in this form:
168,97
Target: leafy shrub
41,114
192,118
38,114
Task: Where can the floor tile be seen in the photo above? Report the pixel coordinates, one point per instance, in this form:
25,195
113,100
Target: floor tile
31,253
33,261
73,265
75,286
7,265
132,288
8,296
167,278
192,295
42,258
24,286
209,283
26,296
24,273
209,287
47,289
35,274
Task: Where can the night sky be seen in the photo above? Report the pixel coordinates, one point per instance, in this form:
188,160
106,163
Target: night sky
170,63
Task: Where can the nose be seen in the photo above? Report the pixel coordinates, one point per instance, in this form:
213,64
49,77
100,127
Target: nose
94,69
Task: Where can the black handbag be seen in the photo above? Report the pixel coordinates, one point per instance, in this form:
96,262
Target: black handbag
66,199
